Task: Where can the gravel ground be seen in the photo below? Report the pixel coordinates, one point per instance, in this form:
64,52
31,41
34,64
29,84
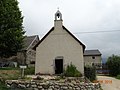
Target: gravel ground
109,83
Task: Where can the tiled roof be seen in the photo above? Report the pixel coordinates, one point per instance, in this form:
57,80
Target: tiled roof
92,52
27,41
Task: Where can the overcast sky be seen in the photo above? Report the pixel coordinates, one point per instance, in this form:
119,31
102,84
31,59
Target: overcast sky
78,16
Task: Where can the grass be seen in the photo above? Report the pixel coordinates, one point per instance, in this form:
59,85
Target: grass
12,73
9,73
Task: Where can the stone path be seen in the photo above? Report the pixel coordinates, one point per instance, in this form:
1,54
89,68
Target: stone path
109,83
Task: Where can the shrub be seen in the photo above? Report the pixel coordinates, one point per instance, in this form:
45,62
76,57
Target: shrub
3,86
90,72
118,77
71,71
30,71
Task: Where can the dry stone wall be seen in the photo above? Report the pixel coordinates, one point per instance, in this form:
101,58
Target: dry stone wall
53,85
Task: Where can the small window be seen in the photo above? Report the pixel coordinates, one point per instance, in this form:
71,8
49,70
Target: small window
93,57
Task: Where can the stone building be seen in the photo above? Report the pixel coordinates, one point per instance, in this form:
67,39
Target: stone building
27,54
93,57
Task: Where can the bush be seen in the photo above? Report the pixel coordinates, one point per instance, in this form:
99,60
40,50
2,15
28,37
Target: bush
113,63
3,86
118,77
90,72
30,71
71,71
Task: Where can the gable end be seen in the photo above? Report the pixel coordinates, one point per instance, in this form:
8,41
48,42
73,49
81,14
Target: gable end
75,38
64,29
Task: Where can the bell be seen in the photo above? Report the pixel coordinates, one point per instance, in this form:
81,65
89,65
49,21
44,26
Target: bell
58,15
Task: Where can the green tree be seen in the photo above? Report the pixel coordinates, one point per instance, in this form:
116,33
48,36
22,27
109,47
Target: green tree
113,63
11,30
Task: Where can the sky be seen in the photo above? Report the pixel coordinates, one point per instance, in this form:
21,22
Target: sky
88,16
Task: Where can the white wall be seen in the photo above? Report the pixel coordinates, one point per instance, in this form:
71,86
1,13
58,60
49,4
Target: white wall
58,43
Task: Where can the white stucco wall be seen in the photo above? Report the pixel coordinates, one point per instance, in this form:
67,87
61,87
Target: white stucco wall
58,43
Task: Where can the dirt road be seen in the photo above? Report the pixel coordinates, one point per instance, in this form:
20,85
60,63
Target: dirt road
109,83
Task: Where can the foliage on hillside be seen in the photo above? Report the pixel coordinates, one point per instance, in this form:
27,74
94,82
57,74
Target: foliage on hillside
113,63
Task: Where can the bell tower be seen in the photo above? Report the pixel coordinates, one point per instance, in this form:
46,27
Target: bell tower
58,15
58,19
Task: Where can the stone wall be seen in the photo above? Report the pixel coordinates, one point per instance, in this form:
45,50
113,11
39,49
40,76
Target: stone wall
67,84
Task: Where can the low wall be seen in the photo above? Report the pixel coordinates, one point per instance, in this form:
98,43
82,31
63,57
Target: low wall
68,84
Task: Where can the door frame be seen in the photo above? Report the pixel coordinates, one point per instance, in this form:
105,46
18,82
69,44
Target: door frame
58,58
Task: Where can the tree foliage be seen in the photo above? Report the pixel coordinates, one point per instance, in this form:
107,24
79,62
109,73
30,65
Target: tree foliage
11,30
113,63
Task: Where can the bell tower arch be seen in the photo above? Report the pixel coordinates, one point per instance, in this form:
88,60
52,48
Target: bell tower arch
58,20
58,15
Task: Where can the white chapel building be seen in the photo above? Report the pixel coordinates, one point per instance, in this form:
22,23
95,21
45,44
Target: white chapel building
58,48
